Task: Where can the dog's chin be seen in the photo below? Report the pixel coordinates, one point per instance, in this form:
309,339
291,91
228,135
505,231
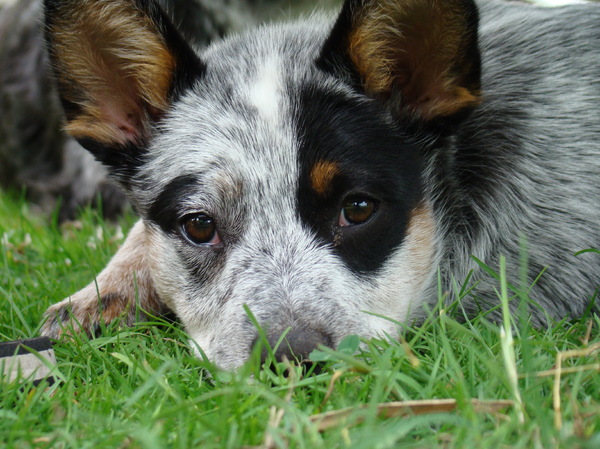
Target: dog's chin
225,353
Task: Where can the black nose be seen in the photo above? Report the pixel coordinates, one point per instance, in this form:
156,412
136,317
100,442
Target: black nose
297,344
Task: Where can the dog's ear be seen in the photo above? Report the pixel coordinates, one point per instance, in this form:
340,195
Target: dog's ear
420,56
118,64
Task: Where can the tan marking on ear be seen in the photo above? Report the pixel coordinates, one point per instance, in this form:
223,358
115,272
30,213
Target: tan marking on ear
413,46
322,175
113,63
113,294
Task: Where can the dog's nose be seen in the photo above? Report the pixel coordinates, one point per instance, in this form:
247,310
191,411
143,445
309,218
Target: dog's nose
297,344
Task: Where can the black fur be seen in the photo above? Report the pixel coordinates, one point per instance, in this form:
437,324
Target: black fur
377,161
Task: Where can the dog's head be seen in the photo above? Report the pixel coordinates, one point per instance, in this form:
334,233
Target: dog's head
280,169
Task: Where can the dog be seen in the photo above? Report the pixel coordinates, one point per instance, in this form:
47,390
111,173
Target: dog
332,175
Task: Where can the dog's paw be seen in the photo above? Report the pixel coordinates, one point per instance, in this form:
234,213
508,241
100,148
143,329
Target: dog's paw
56,319
86,311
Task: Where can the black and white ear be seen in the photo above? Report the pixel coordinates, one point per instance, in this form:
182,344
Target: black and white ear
420,56
118,66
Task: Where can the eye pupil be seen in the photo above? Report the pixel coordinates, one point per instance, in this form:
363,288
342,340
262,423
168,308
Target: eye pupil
357,212
200,229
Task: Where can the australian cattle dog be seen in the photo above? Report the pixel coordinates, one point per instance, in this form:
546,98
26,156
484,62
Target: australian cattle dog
328,173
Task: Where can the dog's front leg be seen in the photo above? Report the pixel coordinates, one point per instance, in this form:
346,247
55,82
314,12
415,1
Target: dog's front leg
123,290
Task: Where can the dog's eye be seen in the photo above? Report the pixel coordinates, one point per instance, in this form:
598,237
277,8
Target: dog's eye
200,229
357,211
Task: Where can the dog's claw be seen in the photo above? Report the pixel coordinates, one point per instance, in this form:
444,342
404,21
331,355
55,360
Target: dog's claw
85,312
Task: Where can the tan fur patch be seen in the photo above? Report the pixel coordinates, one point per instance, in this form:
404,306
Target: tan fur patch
322,175
421,241
113,294
114,64
414,45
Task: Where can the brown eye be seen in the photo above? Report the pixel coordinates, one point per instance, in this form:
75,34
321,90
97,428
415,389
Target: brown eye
357,211
200,229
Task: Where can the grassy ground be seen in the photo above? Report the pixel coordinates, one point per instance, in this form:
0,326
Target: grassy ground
142,388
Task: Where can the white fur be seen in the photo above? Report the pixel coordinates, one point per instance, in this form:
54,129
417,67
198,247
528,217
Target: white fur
265,94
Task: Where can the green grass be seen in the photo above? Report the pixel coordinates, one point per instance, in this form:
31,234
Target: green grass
142,388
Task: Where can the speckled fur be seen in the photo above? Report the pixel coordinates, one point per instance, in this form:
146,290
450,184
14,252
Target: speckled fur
525,162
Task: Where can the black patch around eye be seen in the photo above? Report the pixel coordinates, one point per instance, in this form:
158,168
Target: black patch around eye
374,159
165,210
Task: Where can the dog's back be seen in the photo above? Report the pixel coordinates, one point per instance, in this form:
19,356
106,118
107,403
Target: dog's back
527,162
